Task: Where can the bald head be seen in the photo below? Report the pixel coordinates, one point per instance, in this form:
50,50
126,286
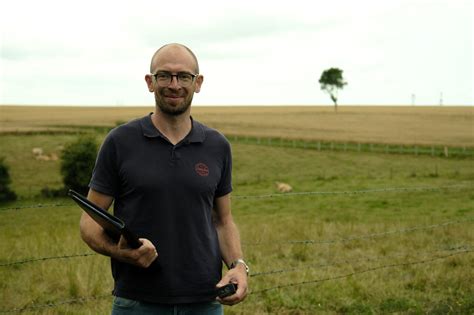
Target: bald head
172,47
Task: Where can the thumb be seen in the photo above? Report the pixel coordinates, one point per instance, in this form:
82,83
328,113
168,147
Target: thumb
223,282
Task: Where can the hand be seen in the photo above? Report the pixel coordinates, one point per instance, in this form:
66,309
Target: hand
141,257
238,276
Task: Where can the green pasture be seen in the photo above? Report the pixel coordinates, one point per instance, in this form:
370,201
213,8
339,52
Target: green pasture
361,233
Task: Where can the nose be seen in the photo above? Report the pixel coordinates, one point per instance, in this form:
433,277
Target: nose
174,84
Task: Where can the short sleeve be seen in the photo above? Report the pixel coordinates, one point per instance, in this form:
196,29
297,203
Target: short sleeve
105,176
225,185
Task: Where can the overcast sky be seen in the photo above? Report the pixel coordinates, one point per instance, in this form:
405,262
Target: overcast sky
250,52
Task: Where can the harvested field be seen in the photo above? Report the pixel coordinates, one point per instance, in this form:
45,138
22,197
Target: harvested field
450,126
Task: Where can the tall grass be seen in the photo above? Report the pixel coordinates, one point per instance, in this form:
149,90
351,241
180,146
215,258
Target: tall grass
394,268
374,250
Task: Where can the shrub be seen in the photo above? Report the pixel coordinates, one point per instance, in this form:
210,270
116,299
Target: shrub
77,163
6,194
53,192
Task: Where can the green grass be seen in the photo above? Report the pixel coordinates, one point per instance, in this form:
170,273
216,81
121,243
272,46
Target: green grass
361,255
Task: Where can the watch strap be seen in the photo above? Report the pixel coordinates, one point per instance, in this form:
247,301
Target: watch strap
240,261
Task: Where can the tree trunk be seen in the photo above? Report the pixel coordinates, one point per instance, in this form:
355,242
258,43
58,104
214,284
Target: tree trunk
334,99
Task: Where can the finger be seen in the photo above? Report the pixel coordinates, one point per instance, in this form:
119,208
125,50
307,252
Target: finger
229,300
225,280
242,290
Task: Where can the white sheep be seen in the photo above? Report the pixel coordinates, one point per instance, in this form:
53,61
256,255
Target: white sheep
37,151
283,187
43,158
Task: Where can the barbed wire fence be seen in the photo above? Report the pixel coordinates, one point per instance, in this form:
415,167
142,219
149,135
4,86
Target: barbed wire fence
289,194
440,254
418,262
465,250
371,236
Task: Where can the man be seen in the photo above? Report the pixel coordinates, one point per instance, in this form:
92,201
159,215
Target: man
170,180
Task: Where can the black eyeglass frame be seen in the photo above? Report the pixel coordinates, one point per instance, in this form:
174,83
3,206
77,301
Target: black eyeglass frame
175,75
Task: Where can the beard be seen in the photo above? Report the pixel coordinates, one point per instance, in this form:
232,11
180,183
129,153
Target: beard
172,109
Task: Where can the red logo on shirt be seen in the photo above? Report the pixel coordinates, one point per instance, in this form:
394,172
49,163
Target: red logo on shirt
201,169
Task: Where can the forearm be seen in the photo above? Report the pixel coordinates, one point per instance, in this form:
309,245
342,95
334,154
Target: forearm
229,241
95,237
231,250
91,232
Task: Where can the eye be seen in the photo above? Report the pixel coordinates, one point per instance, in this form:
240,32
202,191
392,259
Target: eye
163,76
185,77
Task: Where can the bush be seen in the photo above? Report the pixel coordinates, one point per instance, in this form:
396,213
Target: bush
53,193
6,194
77,163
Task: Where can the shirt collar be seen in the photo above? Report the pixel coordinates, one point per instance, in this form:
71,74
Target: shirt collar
149,130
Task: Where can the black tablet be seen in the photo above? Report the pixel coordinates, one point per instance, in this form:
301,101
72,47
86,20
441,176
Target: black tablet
113,226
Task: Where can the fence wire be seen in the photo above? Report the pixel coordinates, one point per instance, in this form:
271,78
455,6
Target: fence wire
459,250
277,242
36,206
353,192
251,293
361,237
290,194
455,250
418,262
25,261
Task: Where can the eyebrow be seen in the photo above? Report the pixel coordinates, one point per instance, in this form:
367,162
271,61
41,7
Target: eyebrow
178,72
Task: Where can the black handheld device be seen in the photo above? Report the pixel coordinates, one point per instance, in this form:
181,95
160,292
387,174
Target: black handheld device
226,290
112,225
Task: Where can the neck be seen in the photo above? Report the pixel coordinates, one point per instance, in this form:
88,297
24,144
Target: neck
175,128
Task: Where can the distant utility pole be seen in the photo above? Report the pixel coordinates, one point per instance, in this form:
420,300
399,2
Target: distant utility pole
413,97
441,99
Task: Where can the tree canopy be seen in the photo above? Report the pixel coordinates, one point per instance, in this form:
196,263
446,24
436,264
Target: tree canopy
332,81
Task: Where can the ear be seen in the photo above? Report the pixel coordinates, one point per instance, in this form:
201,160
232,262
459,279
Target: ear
149,82
199,80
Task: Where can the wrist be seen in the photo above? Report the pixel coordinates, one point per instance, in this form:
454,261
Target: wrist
241,263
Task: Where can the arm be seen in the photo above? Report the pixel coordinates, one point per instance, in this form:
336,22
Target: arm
96,238
229,242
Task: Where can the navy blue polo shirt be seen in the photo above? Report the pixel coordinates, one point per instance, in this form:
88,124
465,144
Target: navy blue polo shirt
165,193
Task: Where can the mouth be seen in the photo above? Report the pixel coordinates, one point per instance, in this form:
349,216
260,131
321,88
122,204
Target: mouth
172,95
174,99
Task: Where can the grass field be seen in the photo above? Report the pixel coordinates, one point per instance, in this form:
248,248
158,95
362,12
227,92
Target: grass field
363,233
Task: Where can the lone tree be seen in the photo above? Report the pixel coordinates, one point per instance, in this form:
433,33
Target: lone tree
331,81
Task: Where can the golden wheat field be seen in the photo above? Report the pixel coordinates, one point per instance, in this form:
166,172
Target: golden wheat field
450,126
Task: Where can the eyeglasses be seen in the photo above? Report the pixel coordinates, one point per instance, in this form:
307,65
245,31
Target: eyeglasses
164,78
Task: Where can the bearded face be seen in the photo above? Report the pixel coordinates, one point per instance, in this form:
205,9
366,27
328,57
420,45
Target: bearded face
174,101
173,96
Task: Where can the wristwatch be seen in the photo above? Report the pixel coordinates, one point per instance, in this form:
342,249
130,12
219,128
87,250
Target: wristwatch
240,261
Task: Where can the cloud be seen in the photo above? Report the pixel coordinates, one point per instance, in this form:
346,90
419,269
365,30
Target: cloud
249,51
